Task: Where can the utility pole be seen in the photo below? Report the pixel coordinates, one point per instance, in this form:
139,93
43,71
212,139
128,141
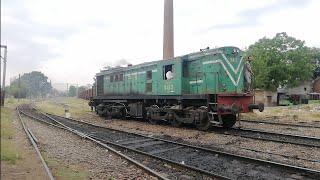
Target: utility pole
67,89
19,85
0,78
4,73
77,94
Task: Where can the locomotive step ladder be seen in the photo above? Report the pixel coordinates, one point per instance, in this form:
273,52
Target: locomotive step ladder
212,109
212,103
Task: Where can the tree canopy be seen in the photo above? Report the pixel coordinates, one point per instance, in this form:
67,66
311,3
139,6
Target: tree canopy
72,91
281,61
33,84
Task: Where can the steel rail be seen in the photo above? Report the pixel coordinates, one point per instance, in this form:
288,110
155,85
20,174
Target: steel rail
278,154
36,118
32,139
254,150
295,168
292,136
141,152
304,139
163,159
137,151
266,162
64,127
281,124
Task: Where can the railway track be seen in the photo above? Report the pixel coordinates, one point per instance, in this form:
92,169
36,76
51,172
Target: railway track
34,142
207,161
280,124
45,119
271,136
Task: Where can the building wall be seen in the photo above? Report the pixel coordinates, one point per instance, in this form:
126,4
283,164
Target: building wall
269,98
303,88
316,85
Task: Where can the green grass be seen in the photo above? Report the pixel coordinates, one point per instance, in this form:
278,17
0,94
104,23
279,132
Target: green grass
284,102
314,101
316,115
77,107
62,172
12,102
8,150
50,107
274,110
69,173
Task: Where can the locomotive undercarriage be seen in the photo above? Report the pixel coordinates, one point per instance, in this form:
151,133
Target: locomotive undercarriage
201,112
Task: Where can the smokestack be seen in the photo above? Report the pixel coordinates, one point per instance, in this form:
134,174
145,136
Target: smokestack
168,48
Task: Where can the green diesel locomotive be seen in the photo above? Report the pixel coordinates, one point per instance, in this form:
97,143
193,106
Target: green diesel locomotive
201,88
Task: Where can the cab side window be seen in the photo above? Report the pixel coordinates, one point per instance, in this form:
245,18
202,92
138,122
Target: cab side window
111,78
149,75
185,70
168,72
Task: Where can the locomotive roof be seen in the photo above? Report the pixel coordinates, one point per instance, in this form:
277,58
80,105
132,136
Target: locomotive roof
190,56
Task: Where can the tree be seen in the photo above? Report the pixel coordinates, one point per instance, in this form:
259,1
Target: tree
72,91
16,91
316,60
33,84
281,61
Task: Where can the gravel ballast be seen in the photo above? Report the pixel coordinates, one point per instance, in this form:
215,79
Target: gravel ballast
74,151
239,145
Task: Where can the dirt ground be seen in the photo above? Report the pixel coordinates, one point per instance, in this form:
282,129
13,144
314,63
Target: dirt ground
305,114
81,158
305,131
67,155
28,165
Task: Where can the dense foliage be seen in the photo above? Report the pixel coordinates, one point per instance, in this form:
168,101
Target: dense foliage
33,84
282,61
72,91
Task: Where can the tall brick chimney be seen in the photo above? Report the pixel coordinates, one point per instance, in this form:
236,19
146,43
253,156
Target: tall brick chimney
168,38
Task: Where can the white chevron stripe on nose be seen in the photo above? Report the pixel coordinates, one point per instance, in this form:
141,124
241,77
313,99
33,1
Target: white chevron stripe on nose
235,82
231,66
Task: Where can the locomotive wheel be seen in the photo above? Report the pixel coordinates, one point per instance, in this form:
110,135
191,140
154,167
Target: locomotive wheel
176,123
204,125
100,113
228,120
152,121
149,117
204,122
173,120
123,114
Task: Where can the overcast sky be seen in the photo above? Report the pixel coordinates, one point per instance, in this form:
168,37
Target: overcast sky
71,40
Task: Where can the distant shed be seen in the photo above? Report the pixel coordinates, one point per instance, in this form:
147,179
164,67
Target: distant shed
271,98
315,94
316,85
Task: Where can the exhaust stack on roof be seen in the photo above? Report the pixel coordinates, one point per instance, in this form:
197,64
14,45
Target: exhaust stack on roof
168,45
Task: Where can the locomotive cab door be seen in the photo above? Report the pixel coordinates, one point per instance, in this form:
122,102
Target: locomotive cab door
196,75
148,82
212,74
